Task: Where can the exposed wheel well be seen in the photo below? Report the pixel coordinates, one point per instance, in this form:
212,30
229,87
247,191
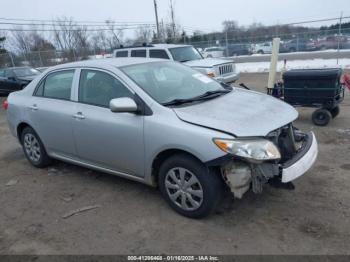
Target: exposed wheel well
162,156
20,129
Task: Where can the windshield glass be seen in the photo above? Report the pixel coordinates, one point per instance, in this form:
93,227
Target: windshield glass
168,81
25,71
186,53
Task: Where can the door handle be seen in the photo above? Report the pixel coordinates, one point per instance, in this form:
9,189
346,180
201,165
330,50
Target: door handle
79,115
34,107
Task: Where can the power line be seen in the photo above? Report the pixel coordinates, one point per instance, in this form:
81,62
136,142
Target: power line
70,23
77,21
73,29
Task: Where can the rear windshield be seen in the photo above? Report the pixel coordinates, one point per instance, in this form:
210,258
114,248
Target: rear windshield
25,71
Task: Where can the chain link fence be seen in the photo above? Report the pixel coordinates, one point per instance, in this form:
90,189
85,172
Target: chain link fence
223,44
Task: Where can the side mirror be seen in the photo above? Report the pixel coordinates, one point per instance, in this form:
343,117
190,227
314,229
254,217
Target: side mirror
123,105
12,78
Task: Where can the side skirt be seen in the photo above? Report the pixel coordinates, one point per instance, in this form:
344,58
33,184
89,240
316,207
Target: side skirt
98,168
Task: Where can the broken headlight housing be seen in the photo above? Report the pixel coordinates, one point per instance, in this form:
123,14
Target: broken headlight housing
250,149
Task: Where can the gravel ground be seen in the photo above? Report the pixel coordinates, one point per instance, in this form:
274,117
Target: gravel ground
133,218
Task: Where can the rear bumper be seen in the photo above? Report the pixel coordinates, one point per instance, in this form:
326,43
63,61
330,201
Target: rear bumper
228,78
302,161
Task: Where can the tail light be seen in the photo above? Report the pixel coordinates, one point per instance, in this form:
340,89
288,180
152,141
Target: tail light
5,104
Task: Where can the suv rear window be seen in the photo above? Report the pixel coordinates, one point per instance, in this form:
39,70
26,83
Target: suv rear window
138,53
122,54
158,53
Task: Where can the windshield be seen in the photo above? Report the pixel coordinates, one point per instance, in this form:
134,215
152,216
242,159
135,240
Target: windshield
186,53
25,71
169,81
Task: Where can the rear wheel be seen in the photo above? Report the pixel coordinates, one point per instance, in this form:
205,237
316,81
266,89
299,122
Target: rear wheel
260,52
189,187
34,149
321,117
335,111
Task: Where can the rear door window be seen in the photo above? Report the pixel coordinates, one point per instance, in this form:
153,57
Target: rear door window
57,85
138,53
158,53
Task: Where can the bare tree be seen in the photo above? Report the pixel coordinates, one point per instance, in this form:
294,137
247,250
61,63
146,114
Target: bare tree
21,41
116,32
229,26
71,39
143,34
65,36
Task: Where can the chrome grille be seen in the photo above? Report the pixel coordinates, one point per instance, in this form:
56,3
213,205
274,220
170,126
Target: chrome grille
225,69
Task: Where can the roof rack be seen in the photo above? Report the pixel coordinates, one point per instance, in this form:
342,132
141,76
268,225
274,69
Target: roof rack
134,46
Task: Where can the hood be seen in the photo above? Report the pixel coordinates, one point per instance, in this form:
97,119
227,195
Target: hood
27,78
207,62
241,113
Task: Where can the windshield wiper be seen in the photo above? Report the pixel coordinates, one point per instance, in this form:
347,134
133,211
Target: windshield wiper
177,102
207,95
211,94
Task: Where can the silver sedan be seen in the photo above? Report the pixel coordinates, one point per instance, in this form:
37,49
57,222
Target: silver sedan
160,123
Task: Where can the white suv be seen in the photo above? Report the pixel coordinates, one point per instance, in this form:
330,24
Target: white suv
220,69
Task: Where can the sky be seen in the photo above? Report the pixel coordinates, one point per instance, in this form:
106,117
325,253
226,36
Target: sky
206,15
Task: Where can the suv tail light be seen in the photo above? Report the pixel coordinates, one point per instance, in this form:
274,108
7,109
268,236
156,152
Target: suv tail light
5,104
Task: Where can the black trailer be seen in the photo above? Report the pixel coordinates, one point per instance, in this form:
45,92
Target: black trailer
320,88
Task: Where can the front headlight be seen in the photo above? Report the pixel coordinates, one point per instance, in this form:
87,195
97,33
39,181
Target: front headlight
251,149
210,72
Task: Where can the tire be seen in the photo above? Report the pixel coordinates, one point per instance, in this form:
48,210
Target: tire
321,117
207,186
292,50
34,149
260,52
335,111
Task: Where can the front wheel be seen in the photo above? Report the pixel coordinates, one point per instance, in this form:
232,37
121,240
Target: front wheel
34,149
321,117
189,187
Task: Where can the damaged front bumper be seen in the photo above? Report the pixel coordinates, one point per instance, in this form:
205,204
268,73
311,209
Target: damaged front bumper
240,176
302,161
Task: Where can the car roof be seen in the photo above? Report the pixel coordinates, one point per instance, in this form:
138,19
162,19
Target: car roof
107,62
153,46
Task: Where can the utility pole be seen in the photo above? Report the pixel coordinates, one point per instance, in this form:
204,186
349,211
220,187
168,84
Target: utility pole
156,13
339,35
172,17
226,43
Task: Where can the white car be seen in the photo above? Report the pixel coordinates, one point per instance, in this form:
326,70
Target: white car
215,51
220,69
262,48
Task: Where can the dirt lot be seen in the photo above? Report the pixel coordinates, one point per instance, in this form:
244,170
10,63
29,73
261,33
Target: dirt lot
133,218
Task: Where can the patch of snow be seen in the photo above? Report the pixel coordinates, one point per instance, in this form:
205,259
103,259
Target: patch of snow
295,53
261,67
